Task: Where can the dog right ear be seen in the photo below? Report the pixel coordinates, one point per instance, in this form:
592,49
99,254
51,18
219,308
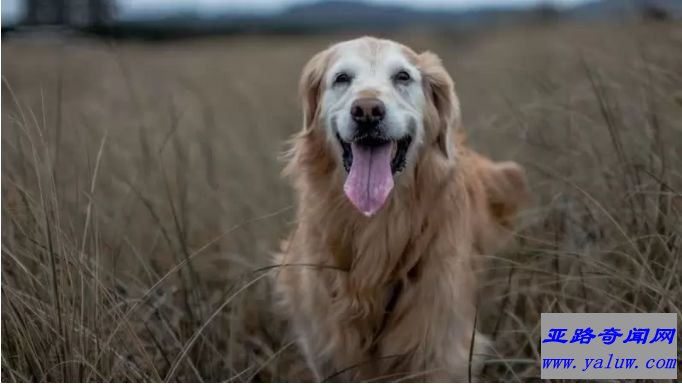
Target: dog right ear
310,87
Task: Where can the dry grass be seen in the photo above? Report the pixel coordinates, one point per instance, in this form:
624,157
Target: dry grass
141,194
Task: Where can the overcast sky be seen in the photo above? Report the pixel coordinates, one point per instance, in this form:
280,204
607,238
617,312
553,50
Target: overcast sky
12,9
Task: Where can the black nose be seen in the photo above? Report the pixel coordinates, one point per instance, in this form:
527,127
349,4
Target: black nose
368,110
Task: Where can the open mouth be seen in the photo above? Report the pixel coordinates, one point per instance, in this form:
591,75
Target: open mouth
371,162
399,150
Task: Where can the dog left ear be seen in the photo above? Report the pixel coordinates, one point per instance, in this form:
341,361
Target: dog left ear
440,92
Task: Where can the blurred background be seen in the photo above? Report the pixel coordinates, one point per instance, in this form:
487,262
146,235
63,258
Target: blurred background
142,197
146,18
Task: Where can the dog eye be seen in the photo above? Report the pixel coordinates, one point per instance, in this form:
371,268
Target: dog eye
342,78
402,77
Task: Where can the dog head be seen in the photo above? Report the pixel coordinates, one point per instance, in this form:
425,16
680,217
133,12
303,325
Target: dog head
379,105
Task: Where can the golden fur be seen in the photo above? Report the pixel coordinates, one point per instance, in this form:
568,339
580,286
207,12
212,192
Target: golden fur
393,296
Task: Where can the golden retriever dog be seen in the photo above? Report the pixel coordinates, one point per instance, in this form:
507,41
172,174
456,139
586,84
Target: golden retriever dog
378,278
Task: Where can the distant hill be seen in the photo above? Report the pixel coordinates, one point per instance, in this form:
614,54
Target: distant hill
610,9
352,14
361,16
356,14
325,16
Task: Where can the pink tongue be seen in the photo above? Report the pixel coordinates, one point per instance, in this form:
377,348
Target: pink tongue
370,179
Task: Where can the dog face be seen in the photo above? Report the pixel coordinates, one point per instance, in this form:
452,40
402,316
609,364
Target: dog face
379,105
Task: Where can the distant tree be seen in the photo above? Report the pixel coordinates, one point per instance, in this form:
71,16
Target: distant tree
37,11
60,11
546,12
101,12
79,13
654,12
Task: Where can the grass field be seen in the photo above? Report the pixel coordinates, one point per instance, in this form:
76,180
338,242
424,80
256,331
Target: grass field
142,197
